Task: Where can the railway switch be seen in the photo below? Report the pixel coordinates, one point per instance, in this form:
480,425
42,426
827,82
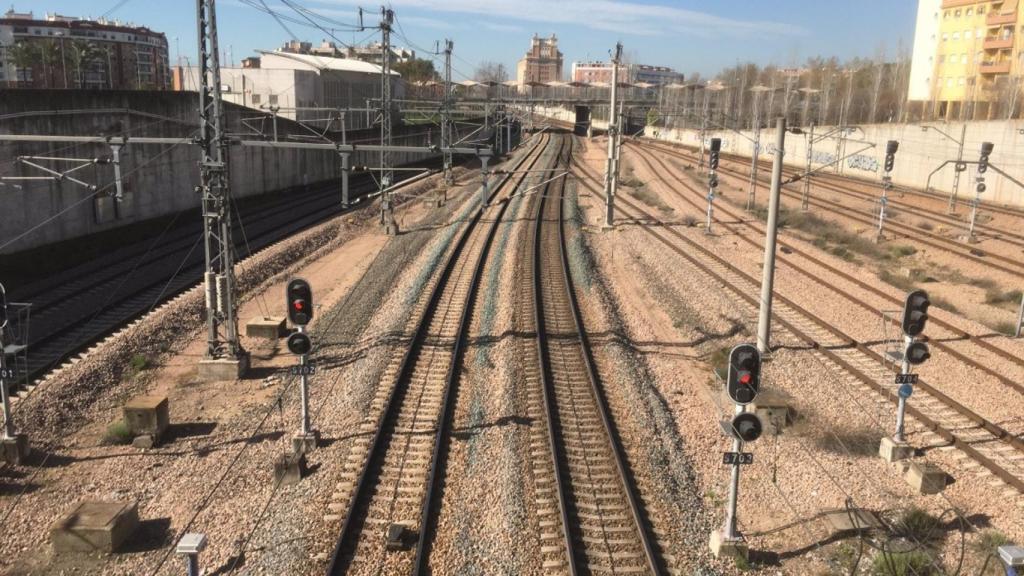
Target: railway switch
744,376
300,301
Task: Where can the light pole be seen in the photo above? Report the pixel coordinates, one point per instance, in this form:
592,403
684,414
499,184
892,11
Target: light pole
959,161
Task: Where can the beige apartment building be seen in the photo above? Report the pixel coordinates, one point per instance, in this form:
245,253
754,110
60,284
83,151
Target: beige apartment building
978,57
542,63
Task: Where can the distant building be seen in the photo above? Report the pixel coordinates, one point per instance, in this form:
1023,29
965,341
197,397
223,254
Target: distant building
967,60
68,52
542,63
370,53
288,81
591,72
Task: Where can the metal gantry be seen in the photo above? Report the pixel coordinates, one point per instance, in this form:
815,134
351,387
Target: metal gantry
611,170
446,114
214,187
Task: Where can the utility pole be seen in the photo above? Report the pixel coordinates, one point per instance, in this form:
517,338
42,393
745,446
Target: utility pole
805,199
956,169
764,323
446,116
386,174
751,197
222,345
611,169
890,159
345,164
703,128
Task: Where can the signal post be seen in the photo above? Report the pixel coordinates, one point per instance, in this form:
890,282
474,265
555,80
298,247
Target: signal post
915,316
299,298
742,383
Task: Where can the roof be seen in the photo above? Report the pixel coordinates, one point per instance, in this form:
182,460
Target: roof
329,63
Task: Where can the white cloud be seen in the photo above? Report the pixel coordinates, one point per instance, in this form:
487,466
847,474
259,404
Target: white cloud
501,27
626,18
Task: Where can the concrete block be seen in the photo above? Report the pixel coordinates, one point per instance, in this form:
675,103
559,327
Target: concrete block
147,416
926,478
289,468
773,406
15,449
269,327
893,451
855,520
95,527
305,443
391,229
144,442
222,369
723,547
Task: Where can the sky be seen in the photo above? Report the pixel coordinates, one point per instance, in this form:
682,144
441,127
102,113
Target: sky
688,35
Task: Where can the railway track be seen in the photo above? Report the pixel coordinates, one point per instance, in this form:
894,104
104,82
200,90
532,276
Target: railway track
990,259
390,485
592,520
75,308
951,332
855,365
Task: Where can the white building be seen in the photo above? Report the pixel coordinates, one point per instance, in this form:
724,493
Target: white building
294,81
926,41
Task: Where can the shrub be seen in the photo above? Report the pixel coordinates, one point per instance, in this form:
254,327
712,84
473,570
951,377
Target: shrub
996,296
916,563
926,225
138,363
903,250
918,525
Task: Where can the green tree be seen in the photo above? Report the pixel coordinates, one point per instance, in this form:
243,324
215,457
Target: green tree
25,56
416,70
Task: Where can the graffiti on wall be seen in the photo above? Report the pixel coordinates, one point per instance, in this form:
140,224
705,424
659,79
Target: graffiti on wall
862,162
770,150
819,157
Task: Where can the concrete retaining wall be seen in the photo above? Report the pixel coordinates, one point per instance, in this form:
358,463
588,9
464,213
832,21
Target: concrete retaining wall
160,179
919,154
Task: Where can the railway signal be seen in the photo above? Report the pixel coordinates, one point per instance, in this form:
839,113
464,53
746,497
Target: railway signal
744,376
716,147
915,313
299,300
13,446
979,189
742,382
917,353
890,161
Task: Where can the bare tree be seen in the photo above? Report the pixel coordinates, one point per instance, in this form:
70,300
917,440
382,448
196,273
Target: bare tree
490,72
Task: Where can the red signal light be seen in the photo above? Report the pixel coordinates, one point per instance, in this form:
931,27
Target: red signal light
745,378
298,305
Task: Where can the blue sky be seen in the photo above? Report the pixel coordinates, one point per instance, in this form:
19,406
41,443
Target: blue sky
689,35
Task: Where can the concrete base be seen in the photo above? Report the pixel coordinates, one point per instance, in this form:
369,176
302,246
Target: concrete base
852,521
723,547
289,468
223,368
773,408
269,327
147,416
391,229
925,478
15,449
305,443
95,527
893,451
968,239
144,442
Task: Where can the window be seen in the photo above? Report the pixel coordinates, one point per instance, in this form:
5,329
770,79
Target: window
956,35
272,99
255,99
945,14
967,34
945,37
957,14
949,82
970,11
981,10
963,58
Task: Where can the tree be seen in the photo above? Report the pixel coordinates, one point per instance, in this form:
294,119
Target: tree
416,70
25,56
490,72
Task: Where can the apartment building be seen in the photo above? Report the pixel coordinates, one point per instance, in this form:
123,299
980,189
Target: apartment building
542,63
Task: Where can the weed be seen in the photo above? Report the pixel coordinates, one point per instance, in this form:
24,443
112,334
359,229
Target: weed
742,564
1007,328
996,296
902,250
651,199
918,525
944,304
118,433
719,360
844,555
926,225
689,221
984,283
138,363
986,548
898,280
915,563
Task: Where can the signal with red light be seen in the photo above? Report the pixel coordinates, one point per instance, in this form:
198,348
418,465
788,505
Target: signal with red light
744,376
299,298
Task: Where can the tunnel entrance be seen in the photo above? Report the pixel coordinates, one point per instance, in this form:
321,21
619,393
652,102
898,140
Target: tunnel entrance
582,121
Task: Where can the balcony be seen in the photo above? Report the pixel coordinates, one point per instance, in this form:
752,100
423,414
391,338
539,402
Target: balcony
995,67
1000,18
996,43
959,3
